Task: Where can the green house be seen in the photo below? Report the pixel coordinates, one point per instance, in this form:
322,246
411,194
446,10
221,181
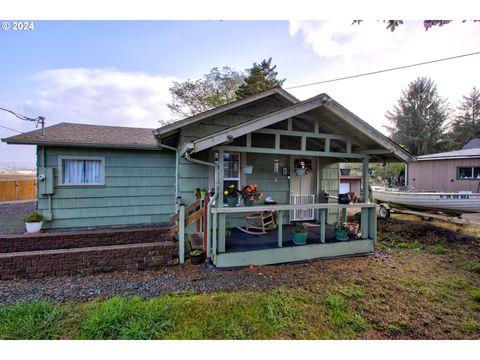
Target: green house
101,176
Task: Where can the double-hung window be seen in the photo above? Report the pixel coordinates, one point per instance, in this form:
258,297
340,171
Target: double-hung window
81,170
231,171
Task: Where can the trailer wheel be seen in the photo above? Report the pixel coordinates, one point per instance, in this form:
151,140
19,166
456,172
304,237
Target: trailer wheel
383,212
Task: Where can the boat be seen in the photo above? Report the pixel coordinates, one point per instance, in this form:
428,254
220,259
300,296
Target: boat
449,203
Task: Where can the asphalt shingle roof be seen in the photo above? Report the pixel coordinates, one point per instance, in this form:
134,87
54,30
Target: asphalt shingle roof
89,135
472,144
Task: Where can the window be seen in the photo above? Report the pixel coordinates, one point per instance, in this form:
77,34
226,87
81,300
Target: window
231,171
81,171
466,173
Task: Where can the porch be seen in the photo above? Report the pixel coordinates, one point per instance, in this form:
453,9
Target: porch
240,249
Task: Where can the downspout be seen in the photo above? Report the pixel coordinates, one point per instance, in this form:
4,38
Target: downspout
177,160
44,165
210,203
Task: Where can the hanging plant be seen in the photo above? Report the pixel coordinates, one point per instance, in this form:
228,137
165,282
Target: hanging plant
303,164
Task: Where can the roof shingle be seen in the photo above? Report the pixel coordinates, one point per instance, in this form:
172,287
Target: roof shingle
89,135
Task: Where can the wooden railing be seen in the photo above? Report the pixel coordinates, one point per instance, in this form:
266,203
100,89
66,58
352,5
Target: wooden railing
16,190
368,220
187,215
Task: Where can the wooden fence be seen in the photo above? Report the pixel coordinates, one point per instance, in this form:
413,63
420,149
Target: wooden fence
15,190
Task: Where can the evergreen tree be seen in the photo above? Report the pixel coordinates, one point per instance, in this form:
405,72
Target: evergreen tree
259,78
418,118
466,125
214,89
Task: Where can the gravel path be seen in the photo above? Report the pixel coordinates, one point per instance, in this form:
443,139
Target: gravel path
188,277
12,214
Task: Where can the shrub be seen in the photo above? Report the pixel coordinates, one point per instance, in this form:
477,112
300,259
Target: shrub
33,217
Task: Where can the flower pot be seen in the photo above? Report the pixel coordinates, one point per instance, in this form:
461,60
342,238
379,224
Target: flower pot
196,259
248,202
232,201
300,238
300,171
248,169
34,227
345,172
341,235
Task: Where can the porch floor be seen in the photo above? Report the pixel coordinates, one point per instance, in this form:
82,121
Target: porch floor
239,241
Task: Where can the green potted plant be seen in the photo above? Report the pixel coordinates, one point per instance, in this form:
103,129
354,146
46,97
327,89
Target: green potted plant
196,256
231,194
33,222
250,193
341,231
299,234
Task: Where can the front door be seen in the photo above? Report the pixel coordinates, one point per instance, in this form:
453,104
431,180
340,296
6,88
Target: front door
302,190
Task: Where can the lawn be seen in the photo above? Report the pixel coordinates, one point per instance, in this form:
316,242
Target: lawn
422,283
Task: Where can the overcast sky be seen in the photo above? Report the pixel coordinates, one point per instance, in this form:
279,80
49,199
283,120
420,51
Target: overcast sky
118,72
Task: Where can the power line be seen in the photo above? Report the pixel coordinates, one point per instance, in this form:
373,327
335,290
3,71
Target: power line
382,71
39,120
21,132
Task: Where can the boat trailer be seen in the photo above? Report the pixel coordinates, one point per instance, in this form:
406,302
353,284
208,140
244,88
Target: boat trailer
384,211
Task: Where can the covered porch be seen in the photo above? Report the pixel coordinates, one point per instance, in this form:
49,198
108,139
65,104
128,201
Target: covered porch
318,131
276,246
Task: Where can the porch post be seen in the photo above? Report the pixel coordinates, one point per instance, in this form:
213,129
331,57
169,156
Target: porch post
322,226
280,227
221,217
365,180
181,234
214,234
221,233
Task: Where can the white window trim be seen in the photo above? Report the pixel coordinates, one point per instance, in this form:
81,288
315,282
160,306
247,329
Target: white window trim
60,169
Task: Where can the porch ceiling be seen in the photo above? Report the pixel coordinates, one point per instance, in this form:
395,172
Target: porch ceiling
331,119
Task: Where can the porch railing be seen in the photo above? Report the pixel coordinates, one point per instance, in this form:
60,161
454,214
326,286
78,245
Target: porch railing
368,220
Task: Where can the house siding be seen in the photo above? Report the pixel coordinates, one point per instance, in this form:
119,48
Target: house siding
441,175
139,188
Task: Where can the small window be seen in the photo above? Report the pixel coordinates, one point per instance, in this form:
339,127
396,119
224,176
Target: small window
466,173
81,171
231,171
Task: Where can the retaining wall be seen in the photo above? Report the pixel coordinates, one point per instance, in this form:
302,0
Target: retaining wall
41,255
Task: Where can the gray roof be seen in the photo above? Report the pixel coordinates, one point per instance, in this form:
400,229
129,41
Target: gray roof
458,154
472,144
68,134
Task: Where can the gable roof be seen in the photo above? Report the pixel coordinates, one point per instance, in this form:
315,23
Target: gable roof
276,91
472,144
69,134
358,128
450,155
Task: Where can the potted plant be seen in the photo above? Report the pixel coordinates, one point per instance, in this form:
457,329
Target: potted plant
33,222
299,234
196,256
302,166
250,193
231,194
341,231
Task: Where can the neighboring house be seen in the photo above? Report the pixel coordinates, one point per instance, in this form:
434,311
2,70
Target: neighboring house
451,171
104,176
350,183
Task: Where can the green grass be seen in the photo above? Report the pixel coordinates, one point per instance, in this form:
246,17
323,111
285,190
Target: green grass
31,321
345,319
133,318
476,294
474,267
438,250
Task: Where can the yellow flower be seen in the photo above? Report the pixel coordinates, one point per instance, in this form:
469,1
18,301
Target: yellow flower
225,192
